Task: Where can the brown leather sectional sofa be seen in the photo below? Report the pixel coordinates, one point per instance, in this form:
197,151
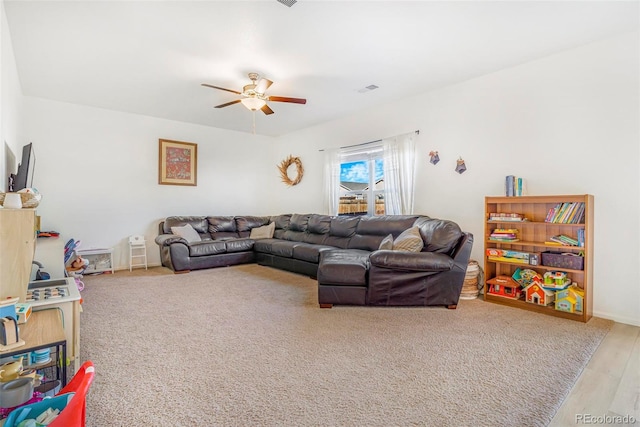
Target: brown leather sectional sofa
341,252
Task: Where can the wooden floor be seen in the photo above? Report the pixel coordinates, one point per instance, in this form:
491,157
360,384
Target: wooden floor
609,386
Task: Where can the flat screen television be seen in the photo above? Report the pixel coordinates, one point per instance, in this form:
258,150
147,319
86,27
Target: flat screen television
24,177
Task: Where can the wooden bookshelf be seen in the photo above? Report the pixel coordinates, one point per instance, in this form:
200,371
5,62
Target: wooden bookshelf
532,235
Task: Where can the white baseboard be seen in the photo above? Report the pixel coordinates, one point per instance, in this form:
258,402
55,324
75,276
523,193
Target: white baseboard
616,318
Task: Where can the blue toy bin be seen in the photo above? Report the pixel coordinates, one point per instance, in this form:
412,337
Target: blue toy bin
58,402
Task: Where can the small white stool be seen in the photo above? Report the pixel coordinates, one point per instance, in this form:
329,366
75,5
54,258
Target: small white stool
137,252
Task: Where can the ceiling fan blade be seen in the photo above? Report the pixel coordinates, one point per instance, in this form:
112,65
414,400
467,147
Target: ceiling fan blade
267,110
263,85
285,99
221,88
227,104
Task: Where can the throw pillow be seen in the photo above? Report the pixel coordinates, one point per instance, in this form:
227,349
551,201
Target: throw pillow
187,232
387,243
409,241
264,232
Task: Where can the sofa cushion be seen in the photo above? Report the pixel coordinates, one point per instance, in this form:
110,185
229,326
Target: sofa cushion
239,245
187,233
385,224
343,226
338,242
319,224
247,223
294,236
283,248
343,267
422,261
439,235
264,245
264,232
387,243
222,223
315,239
199,223
365,242
309,252
299,222
409,241
207,247
282,224
282,221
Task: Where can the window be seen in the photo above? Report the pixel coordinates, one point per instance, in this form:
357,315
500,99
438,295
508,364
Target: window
362,183
376,180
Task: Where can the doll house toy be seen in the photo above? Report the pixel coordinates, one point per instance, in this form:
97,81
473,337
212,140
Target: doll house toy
504,286
525,276
570,299
556,280
536,294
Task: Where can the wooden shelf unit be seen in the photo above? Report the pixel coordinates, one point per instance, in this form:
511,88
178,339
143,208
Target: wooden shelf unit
532,235
17,246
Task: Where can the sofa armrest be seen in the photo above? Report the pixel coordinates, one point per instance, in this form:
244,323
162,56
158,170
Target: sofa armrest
414,261
168,239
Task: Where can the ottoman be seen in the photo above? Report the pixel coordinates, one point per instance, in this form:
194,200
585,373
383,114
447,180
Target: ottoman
342,277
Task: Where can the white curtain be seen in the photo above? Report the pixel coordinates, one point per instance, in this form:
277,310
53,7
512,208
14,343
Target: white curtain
331,181
399,174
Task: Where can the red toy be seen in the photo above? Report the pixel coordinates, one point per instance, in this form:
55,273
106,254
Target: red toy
504,286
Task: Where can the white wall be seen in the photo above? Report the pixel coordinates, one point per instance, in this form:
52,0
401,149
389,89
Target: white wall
98,173
568,123
10,103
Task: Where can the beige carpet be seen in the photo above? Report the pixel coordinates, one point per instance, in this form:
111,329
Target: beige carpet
248,346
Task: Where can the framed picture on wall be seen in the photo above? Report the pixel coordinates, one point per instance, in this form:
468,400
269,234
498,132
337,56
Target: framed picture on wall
177,163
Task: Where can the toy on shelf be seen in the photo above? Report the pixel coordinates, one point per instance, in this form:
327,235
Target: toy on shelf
556,280
504,286
536,294
570,299
526,277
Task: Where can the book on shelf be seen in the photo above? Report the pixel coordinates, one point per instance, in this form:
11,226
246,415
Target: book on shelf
580,235
564,240
514,186
504,234
506,253
507,259
504,217
577,216
566,213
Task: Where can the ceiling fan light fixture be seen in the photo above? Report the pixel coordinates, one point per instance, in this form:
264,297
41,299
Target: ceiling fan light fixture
253,104
288,3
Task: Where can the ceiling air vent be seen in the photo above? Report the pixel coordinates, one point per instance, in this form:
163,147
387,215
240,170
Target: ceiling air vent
288,3
368,88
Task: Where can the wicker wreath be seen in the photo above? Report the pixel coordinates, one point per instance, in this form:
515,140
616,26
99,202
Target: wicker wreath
284,167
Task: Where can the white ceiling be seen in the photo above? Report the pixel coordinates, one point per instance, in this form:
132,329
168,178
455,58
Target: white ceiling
150,58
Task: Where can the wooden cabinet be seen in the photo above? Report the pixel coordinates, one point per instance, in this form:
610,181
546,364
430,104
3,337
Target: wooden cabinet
533,236
17,246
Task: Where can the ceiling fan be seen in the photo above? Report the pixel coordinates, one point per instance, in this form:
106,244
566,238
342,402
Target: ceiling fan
254,97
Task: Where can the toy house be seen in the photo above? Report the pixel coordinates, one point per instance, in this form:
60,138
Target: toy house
570,300
504,286
536,294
